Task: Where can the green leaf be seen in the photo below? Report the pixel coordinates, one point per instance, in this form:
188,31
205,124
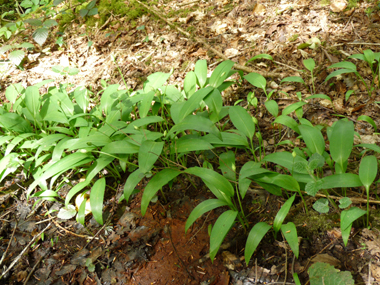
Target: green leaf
313,187
218,185
293,79
81,216
215,102
321,96
133,179
344,64
338,72
194,122
344,202
40,35
32,100
341,141
293,107
190,144
369,146
260,56
290,232
227,165
341,180
200,70
194,102
190,84
256,80
156,183
309,64
14,122
368,120
202,208
288,122
282,213
146,104
219,231
106,100
242,121
149,152
321,206
96,199
368,170
325,274
123,147
221,73
60,166
347,217
13,91
155,81
255,236
313,139
16,56
228,139
272,107
67,212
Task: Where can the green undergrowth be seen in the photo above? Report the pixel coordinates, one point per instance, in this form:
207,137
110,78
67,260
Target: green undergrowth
153,134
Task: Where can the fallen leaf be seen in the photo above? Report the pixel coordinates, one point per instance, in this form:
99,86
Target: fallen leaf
338,5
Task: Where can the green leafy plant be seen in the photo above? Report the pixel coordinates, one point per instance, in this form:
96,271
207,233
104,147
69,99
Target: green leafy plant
323,273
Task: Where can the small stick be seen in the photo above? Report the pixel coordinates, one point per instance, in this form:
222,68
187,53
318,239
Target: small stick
10,241
35,266
24,250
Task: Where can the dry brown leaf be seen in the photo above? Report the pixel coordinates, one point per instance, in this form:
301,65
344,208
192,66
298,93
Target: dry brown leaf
326,259
259,9
338,5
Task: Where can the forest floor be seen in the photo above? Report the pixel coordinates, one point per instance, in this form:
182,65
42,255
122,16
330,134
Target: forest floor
154,249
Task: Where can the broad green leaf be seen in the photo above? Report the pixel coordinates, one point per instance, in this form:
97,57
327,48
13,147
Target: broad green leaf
341,141
313,139
200,70
344,202
256,80
65,104
156,183
344,64
321,206
369,57
13,91
325,274
260,56
96,199
368,170
220,186
81,216
190,144
219,231
190,84
16,141
194,122
123,147
341,180
8,164
293,79
142,122
194,102
255,236
338,72
221,73
32,100
309,64
242,121
106,100
369,146
149,152
248,169
293,107
347,217
14,122
133,179
67,212
16,56
227,165
97,139
155,80
60,166
228,139
146,104
290,232
50,23
288,122
40,35
282,213
202,208
272,107
313,187
215,102
368,120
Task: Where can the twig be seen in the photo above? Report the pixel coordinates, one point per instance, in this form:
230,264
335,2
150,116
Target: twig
288,66
98,232
176,252
375,44
204,222
10,241
24,250
286,260
188,3
35,266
